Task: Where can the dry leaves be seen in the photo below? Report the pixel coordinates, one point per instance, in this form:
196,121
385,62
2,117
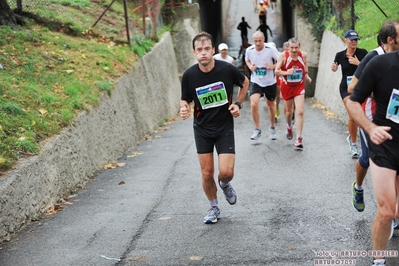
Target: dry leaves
42,111
142,258
54,209
134,154
327,112
57,207
113,165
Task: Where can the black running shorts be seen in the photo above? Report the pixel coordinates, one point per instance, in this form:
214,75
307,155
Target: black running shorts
385,155
224,143
269,91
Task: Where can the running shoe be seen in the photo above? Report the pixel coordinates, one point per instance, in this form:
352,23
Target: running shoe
289,134
298,144
357,199
353,148
380,262
229,193
393,224
277,112
354,152
257,134
212,216
273,135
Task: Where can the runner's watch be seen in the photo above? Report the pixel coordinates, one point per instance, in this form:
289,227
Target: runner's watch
238,104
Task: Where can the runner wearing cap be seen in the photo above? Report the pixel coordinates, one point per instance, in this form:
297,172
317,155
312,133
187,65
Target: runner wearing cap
349,59
222,55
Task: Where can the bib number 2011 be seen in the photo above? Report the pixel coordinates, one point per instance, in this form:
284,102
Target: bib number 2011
212,95
213,98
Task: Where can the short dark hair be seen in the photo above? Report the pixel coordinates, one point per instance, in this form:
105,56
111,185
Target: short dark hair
204,36
388,29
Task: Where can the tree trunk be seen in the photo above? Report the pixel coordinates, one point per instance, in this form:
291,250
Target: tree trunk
7,17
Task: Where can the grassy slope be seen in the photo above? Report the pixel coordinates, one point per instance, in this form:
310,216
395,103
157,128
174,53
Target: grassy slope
56,66
370,19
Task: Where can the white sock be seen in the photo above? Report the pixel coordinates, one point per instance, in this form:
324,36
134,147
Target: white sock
358,187
214,202
223,184
380,261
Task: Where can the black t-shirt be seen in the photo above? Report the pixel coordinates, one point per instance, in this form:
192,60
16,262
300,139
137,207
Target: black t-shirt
346,68
243,27
380,77
211,121
366,59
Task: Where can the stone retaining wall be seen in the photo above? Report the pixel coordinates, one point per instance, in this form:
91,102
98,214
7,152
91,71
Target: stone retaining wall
141,101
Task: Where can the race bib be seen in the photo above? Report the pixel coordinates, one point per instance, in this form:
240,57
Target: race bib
212,95
393,107
261,72
348,80
296,76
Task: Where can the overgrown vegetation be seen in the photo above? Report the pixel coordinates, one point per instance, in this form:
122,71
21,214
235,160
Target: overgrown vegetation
58,65
336,16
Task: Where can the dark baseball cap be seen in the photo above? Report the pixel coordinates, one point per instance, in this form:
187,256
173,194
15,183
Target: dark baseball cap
351,35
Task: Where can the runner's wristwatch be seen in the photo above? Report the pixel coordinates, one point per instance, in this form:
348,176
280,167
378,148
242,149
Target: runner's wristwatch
238,104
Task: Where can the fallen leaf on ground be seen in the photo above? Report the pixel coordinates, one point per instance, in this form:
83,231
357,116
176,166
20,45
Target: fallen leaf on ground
54,209
134,154
42,111
142,258
66,202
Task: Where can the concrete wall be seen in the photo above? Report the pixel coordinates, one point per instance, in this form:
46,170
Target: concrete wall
327,84
141,101
225,12
303,30
186,24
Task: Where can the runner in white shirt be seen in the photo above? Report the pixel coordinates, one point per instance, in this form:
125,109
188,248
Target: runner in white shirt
261,59
222,55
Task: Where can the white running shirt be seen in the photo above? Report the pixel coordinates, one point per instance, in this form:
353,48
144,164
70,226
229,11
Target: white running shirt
229,59
262,76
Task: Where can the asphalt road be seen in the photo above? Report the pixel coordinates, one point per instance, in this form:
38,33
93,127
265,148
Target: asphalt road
293,208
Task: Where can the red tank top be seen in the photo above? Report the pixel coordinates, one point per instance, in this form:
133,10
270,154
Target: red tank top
299,66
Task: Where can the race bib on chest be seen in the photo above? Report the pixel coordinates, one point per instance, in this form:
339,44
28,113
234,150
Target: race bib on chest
261,72
296,77
393,107
212,95
348,80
